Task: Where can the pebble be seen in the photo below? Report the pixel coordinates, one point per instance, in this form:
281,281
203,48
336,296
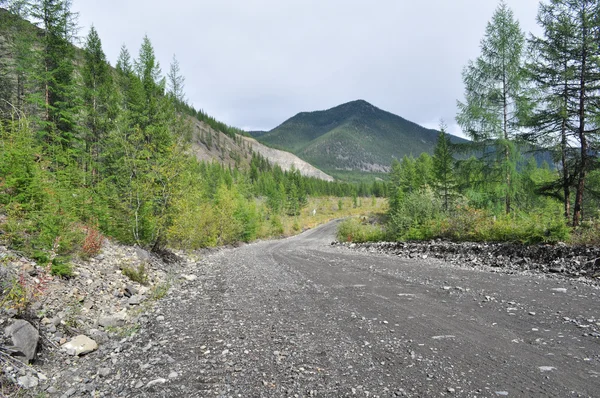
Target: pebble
155,382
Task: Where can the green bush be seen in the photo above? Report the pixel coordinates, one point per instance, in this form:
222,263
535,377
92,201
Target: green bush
413,213
61,267
353,230
138,275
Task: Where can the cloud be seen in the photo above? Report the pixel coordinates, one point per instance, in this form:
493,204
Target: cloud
258,62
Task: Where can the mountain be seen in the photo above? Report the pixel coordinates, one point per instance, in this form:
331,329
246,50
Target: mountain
355,136
210,144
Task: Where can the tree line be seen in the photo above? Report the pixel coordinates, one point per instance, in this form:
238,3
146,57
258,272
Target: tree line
532,111
84,146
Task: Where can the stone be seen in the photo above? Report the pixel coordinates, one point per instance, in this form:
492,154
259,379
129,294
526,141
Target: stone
27,382
559,289
134,300
115,320
80,345
24,337
98,336
155,382
189,278
104,372
130,291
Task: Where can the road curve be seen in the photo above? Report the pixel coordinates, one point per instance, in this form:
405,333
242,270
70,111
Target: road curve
299,317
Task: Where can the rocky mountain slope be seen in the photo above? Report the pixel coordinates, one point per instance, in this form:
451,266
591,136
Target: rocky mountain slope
353,136
286,160
209,145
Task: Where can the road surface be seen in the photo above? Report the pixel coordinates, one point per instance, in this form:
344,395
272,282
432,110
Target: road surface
299,317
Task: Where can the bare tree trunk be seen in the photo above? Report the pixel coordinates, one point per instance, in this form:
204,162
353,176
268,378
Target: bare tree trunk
506,148
577,211
563,152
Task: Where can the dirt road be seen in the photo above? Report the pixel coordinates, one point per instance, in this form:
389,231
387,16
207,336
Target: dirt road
298,317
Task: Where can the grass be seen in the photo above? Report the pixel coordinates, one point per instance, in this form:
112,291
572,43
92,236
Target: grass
326,209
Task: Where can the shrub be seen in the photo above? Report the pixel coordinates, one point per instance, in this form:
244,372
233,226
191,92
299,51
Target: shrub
353,230
61,267
138,275
92,243
415,210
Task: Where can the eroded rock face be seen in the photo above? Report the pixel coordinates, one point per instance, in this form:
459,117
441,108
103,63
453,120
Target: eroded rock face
25,338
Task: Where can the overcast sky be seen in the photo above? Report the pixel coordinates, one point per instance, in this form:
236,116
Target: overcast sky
255,63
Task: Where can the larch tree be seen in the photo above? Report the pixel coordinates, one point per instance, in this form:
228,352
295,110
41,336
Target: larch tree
552,71
585,53
494,91
443,167
176,81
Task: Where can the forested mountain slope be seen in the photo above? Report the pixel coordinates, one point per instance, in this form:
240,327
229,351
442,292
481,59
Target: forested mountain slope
353,136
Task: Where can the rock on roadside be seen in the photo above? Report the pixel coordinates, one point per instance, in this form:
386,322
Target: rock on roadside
80,345
24,337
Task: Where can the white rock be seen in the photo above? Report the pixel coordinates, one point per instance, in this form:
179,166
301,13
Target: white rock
80,345
156,382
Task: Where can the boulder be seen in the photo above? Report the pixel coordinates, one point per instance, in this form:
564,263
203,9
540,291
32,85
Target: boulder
80,345
24,337
27,382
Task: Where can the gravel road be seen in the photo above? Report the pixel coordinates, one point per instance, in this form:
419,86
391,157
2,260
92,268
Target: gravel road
299,317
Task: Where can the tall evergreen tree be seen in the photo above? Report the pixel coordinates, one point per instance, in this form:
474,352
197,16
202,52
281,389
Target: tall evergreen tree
553,73
59,27
443,166
98,100
585,14
494,91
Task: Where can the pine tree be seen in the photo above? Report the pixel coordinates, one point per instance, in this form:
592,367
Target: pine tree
494,92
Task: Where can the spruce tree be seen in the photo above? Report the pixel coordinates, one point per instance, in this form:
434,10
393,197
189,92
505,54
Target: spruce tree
55,76
494,92
98,100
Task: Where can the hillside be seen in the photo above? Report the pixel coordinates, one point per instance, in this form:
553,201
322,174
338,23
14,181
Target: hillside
355,136
209,145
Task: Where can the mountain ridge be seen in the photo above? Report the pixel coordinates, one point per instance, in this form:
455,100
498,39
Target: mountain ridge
354,136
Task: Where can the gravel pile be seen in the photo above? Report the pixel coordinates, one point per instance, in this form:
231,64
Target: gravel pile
57,322
572,261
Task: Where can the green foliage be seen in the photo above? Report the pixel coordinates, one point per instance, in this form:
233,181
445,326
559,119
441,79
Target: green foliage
138,274
493,92
353,230
414,211
61,267
469,224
